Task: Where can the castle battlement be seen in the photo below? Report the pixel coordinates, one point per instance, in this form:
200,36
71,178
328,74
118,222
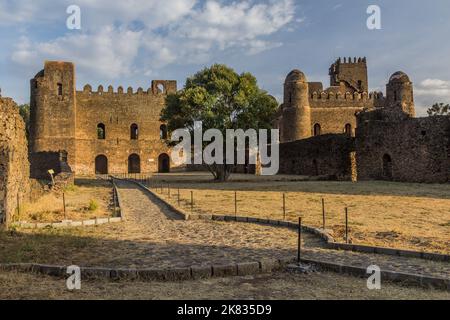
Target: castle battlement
159,87
327,96
350,60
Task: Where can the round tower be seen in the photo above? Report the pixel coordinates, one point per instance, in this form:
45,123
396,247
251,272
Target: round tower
400,95
296,111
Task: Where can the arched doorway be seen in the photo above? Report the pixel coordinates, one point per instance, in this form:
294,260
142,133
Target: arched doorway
317,130
163,163
101,165
387,167
315,168
134,163
348,129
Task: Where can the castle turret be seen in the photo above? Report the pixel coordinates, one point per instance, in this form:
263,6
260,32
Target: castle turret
350,75
53,108
400,95
296,123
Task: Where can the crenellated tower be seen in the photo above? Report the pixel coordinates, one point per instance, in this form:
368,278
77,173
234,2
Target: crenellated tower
350,75
53,109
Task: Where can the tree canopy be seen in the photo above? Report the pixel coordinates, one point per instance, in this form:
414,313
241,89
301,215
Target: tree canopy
221,99
439,109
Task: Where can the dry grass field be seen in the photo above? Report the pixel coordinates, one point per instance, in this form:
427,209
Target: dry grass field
268,287
86,199
400,215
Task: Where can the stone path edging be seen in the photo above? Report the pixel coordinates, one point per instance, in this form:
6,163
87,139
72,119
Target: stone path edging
330,241
265,266
72,224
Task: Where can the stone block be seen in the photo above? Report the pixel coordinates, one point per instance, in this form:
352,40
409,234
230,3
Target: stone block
201,272
269,265
228,270
95,273
248,268
89,222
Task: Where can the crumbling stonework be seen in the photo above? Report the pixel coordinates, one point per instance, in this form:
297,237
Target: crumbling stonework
325,155
406,150
390,143
103,131
310,110
14,165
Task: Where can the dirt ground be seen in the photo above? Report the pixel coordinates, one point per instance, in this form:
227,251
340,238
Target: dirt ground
400,215
87,199
283,286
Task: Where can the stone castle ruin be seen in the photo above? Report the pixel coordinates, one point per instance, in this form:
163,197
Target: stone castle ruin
14,165
103,131
345,132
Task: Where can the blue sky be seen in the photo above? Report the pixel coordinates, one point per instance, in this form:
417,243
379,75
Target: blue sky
129,43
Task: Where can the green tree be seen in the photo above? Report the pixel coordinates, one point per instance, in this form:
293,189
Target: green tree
439,109
222,99
24,110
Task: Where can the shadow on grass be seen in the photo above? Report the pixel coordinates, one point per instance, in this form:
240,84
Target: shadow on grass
66,247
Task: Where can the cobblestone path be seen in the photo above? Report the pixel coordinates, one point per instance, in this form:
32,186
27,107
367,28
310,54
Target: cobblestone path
157,237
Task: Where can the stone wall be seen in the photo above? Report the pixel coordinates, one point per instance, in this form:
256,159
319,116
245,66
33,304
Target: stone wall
326,155
14,165
409,150
63,118
42,162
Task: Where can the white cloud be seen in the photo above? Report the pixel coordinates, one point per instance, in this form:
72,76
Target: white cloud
434,87
430,91
174,31
105,51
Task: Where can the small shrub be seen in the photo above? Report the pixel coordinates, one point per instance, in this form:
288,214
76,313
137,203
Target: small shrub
93,205
71,188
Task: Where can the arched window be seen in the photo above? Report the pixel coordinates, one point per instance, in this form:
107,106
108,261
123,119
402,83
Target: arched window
160,88
163,163
101,165
134,131
387,167
163,132
134,163
101,131
317,130
60,89
348,129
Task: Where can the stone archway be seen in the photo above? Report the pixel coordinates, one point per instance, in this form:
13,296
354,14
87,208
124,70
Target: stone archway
163,163
101,164
134,163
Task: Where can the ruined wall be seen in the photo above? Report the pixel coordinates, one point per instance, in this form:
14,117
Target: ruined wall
332,112
118,111
65,119
326,155
411,150
14,165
